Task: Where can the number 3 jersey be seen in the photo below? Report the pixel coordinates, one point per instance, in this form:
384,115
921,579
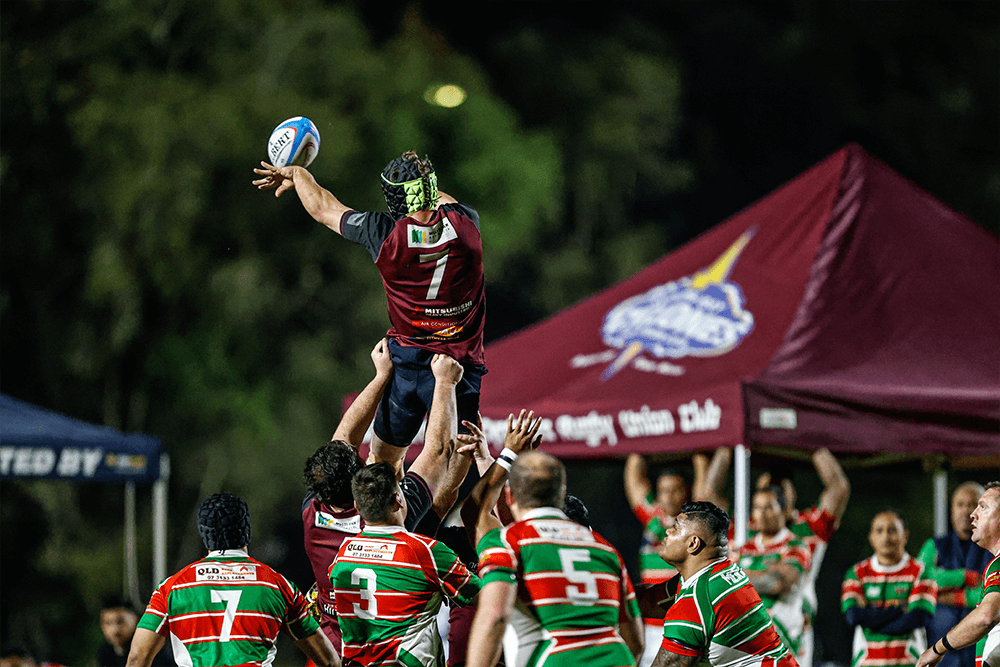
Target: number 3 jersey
433,277
388,585
226,609
573,589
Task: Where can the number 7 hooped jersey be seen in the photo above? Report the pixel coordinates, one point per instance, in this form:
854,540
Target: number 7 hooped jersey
571,580
227,609
433,277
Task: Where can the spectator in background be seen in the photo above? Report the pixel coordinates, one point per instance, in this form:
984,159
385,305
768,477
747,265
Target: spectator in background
776,561
956,563
118,622
888,599
656,510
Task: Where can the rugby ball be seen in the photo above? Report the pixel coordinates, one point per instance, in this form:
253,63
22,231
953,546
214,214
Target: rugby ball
294,142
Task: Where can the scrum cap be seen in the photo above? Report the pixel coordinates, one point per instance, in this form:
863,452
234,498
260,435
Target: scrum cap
224,522
409,185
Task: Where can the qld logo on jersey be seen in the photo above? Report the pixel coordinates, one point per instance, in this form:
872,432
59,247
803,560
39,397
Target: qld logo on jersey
226,572
700,315
370,550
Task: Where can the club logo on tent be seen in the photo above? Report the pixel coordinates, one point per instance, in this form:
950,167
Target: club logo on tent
698,316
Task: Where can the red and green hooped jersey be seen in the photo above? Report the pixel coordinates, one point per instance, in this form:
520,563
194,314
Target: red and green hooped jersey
652,568
227,609
758,555
871,584
718,616
988,648
388,586
570,580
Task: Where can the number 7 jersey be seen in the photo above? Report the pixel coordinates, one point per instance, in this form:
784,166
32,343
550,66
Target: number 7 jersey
227,609
570,580
433,277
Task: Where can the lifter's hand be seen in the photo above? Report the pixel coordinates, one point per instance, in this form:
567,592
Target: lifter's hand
446,369
382,359
279,179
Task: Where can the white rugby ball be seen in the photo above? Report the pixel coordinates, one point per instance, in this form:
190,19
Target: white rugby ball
294,142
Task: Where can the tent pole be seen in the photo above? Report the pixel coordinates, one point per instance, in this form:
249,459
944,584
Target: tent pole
741,492
131,582
940,502
160,521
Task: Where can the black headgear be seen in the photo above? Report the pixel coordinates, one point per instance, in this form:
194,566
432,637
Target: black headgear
224,522
409,185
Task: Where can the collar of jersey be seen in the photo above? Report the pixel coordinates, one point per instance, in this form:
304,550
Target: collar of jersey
886,569
228,553
780,536
385,530
544,512
687,583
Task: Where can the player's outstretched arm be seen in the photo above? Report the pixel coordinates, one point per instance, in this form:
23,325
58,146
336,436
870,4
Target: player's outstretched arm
319,649
836,487
317,200
715,478
442,423
637,485
145,645
356,420
472,447
493,611
477,511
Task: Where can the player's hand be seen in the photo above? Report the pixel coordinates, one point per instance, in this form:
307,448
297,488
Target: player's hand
446,369
522,431
278,179
474,444
382,359
929,658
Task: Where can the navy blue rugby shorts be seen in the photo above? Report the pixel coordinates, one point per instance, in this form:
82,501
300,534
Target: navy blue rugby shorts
407,400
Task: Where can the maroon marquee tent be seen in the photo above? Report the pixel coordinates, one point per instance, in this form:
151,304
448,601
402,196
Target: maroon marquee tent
848,309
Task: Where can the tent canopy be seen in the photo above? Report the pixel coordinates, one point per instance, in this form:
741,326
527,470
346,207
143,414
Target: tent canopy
848,309
40,444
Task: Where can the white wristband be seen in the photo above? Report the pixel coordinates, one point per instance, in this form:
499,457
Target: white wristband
506,458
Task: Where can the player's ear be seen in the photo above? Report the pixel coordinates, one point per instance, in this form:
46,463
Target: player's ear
695,545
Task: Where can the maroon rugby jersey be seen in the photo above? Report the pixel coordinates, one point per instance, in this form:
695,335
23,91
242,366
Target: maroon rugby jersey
433,277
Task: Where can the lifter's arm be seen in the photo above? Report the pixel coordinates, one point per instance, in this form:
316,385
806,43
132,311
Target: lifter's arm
637,485
319,202
356,420
493,611
442,423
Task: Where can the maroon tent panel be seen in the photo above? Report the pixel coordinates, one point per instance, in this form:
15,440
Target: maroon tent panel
895,346
848,308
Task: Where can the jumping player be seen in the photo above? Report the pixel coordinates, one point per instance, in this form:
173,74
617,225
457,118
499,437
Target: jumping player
227,608
429,253
566,577
713,613
388,583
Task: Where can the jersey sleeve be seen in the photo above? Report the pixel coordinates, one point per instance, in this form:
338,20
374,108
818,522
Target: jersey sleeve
497,561
367,229
683,632
821,522
851,593
798,556
991,577
418,501
154,618
298,622
943,578
457,582
924,593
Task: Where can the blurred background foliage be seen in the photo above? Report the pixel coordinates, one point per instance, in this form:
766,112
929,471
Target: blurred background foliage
146,285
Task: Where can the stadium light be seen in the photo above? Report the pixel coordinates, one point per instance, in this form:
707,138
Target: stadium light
445,95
